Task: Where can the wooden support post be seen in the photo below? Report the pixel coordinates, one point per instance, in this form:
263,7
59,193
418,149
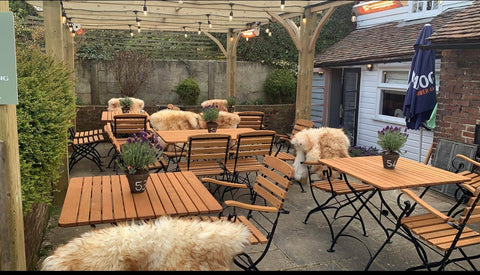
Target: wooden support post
56,45
232,43
12,239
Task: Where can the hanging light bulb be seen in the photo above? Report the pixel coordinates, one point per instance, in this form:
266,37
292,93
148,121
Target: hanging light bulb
70,27
145,8
180,2
136,18
185,30
209,23
139,29
230,18
64,17
304,18
199,29
282,4
130,27
246,39
270,34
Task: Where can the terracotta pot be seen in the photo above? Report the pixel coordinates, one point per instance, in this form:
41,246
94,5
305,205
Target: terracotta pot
137,182
212,126
390,160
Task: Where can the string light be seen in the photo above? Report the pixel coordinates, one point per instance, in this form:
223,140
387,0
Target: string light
185,30
230,33
209,23
136,18
64,14
304,18
230,18
145,8
282,4
199,29
130,27
139,29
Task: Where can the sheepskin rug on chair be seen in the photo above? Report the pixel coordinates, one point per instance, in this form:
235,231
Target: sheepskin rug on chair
225,120
316,143
167,119
221,104
166,244
114,104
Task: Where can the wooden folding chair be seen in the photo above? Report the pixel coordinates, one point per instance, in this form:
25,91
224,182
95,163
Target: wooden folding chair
204,153
284,140
247,154
84,145
441,233
125,125
272,184
251,119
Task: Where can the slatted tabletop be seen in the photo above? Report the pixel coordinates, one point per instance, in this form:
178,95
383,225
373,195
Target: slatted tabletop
107,199
107,116
181,136
407,173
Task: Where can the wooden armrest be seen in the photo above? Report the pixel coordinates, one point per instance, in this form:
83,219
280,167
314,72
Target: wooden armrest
225,183
468,159
251,206
425,205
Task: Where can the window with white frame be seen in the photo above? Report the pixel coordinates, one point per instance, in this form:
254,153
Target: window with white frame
422,8
393,87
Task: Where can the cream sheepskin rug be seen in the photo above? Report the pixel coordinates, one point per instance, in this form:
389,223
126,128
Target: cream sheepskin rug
225,120
114,104
167,244
316,143
167,119
221,104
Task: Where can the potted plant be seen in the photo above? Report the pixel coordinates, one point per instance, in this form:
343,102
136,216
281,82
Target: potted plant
210,115
231,101
136,155
126,103
391,139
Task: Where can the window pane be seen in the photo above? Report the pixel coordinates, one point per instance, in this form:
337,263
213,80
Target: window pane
392,103
395,77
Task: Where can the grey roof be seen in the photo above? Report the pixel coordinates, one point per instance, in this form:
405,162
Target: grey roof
392,42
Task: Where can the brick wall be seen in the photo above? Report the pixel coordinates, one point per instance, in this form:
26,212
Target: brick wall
459,95
279,118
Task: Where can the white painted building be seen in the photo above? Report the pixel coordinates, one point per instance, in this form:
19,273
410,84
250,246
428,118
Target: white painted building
360,82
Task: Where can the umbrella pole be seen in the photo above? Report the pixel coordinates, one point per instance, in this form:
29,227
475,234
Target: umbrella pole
421,142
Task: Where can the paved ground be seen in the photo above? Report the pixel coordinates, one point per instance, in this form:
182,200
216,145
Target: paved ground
298,246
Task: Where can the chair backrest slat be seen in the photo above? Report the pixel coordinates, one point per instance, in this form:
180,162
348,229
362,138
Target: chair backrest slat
302,124
129,124
251,119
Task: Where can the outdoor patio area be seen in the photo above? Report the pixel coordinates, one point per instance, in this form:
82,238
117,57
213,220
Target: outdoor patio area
296,246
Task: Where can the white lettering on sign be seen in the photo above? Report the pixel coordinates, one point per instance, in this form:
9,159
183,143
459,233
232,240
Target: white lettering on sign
422,80
3,77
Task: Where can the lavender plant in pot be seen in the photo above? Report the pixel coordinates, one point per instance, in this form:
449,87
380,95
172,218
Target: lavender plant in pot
392,139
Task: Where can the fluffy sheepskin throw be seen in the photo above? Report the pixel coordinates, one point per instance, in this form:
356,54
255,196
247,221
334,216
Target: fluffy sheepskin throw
166,244
316,143
221,104
114,104
225,120
167,119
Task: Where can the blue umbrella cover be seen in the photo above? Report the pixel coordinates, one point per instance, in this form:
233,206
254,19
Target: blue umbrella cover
421,98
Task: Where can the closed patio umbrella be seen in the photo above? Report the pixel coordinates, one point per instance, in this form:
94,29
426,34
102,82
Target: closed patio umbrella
421,99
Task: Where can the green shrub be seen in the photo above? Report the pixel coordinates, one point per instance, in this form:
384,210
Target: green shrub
210,113
188,91
46,104
280,87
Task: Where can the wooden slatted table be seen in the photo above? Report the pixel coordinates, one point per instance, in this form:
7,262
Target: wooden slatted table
181,136
95,200
107,116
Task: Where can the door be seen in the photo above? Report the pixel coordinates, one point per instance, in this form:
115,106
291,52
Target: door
344,101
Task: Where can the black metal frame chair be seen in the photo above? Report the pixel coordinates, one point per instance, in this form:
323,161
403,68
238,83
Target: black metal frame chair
84,145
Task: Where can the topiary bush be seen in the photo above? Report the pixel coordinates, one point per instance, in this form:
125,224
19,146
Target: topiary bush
280,87
188,91
46,105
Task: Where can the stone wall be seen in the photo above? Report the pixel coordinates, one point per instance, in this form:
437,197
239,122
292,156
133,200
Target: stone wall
458,110
96,84
279,118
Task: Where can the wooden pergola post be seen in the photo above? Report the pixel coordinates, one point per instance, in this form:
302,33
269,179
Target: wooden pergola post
12,239
56,45
304,38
